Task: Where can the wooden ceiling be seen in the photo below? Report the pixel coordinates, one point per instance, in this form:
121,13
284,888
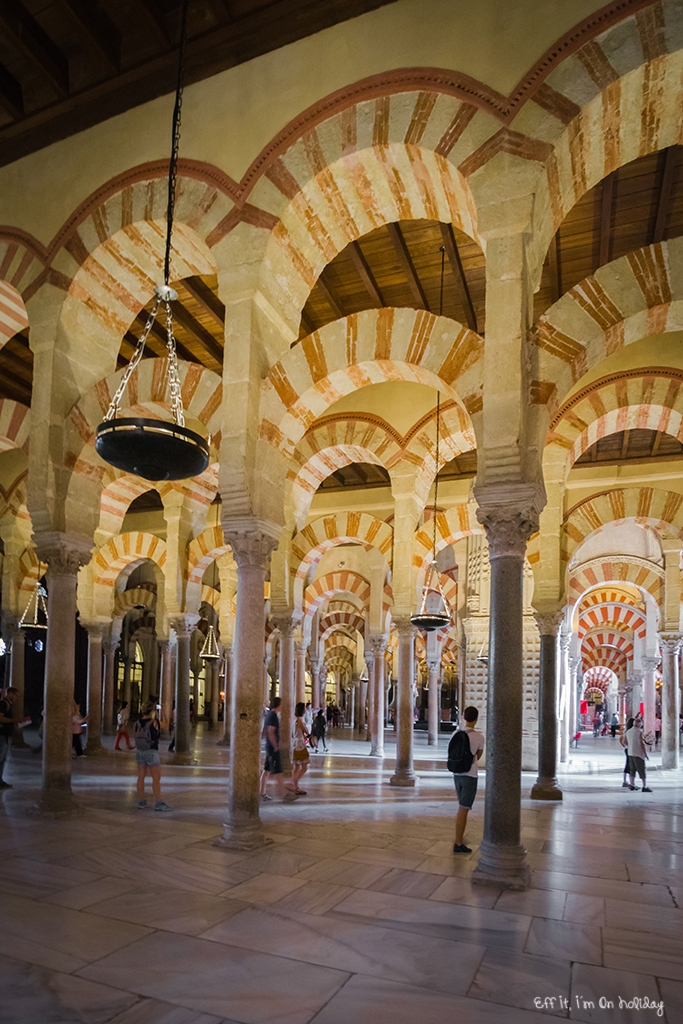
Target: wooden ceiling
68,64
632,446
400,265
363,475
16,369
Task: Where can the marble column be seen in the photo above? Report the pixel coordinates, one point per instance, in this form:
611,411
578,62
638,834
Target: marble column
671,698
109,716
434,701
300,662
183,626
251,550
287,691
167,688
316,695
565,697
371,701
224,740
96,632
546,787
17,680
127,663
351,707
213,670
378,645
403,773
64,558
650,666
502,857
362,708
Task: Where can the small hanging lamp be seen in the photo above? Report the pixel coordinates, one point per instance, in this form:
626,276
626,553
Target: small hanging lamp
36,606
439,615
209,651
156,449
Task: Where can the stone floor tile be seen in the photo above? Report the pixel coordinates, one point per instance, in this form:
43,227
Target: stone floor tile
461,890
517,979
197,974
387,856
407,883
671,992
535,902
264,888
314,898
33,995
186,912
586,910
568,942
154,1011
657,895
644,953
345,873
637,916
283,861
604,988
81,896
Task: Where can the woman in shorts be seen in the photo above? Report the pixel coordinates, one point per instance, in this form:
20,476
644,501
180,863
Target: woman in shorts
300,755
147,732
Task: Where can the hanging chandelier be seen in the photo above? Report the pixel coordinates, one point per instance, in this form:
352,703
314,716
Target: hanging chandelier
440,615
210,651
36,606
151,448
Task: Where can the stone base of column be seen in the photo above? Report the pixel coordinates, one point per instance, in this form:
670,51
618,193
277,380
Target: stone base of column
57,803
181,757
246,836
404,777
546,789
94,748
18,741
503,866
223,742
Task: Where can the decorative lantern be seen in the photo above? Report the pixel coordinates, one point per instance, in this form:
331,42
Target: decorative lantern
210,651
36,606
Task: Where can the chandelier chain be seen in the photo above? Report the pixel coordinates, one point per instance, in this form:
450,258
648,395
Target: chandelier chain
173,373
175,145
132,365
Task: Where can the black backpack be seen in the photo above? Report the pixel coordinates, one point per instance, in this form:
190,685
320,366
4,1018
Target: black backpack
460,756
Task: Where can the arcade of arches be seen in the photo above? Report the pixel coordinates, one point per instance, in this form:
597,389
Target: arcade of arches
312,343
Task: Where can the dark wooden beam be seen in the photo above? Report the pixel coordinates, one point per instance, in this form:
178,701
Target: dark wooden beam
656,443
665,194
330,297
594,452
157,339
98,27
24,32
365,274
554,264
11,95
624,444
606,205
200,332
361,473
156,21
210,304
458,273
406,262
307,323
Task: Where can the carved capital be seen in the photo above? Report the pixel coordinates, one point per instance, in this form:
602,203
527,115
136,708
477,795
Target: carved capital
316,665
650,664
109,646
565,642
508,529
252,544
548,622
285,624
63,554
96,630
166,646
404,627
184,624
378,645
670,642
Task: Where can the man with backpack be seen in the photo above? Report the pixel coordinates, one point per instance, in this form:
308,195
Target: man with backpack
147,732
464,751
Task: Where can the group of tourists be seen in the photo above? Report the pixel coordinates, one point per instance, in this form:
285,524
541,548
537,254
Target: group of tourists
308,735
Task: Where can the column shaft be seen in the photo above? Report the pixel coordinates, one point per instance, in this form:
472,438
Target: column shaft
434,702
17,680
300,673
671,699
94,744
287,693
108,722
545,787
371,703
224,741
403,773
182,695
377,747
167,689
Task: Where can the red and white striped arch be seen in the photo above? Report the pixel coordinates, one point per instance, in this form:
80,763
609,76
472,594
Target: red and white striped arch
311,543
121,551
13,315
623,617
607,657
598,677
15,423
342,582
604,638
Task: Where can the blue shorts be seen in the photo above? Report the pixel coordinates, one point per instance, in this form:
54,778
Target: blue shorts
466,788
149,757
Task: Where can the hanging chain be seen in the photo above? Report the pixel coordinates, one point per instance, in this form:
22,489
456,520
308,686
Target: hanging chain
436,475
173,374
133,364
175,146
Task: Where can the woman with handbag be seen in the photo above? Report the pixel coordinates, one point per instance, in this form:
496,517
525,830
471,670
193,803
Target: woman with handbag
300,754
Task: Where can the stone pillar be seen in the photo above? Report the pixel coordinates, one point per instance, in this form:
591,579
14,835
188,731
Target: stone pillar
316,695
287,691
502,857
300,660
371,701
378,645
183,626
127,662
650,666
17,680
224,740
64,557
215,699
671,698
251,550
403,773
167,688
96,633
434,702
109,715
351,718
362,701
565,697
546,787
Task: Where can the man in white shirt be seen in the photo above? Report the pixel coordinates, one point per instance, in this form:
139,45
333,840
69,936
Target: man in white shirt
637,754
466,782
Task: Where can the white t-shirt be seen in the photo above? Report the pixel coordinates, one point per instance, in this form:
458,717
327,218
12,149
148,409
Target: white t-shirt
634,739
477,740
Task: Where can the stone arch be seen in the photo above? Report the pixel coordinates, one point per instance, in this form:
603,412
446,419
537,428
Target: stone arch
598,677
612,570
124,551
606,657
318,536
22,260
369,348
451,526
342,582
622,617
15,423
652,506
609,594
604,639
208,547
29,570
13,315
626,300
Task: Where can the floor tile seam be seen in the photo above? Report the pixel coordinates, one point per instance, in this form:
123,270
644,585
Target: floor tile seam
131,942
513,1006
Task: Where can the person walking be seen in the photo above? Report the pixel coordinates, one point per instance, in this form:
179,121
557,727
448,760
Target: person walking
171,745
7,729
318,730
147,732
637,754
614,724
122,720
77,723
300,755
273,762
658,729
308,716
464,751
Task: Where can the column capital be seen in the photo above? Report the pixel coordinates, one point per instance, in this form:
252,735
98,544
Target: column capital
404,627
286,624
252,542
650,664
184,624
565,642
64,554
433,664
378,644
96,630
316,664
109,645
166,645
507,525
549,622
671,642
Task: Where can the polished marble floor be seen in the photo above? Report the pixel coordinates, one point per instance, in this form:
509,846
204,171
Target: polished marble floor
356,913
